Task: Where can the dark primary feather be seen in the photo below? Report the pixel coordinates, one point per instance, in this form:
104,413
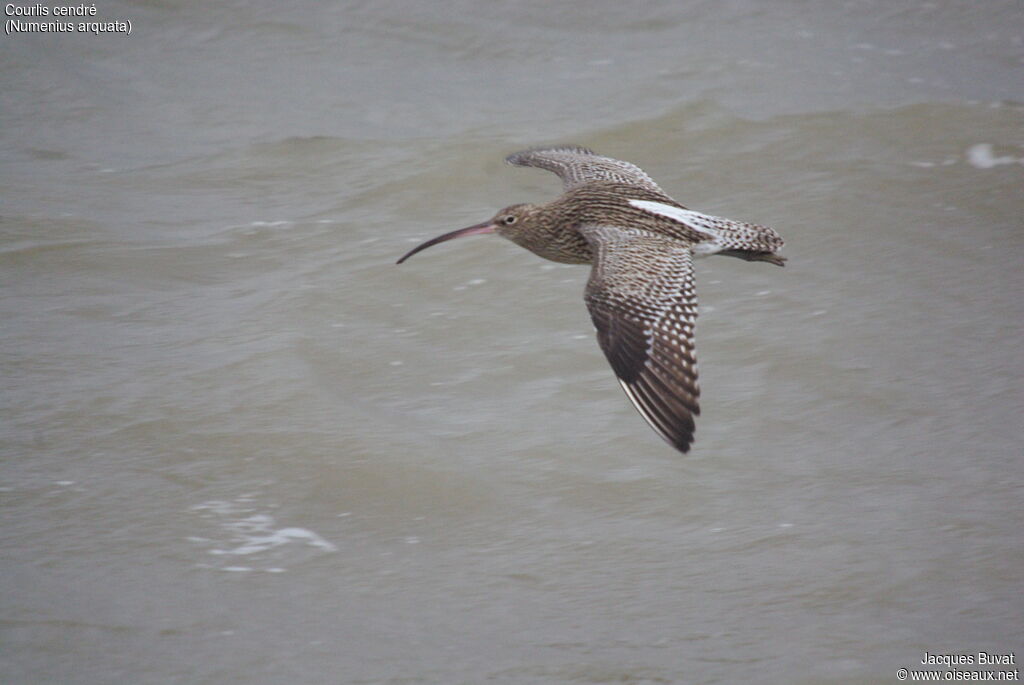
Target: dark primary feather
642,301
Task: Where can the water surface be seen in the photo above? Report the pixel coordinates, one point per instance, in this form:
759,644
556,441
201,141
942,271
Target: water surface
240,445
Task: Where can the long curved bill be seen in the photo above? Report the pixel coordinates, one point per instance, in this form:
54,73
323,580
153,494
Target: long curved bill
486,227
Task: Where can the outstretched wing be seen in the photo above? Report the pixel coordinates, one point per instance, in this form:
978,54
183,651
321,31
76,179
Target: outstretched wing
578,165
643,304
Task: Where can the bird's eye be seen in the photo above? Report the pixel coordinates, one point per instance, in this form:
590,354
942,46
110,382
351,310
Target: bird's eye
509,220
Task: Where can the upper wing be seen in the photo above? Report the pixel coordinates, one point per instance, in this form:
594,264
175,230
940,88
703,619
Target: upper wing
578,165
643,304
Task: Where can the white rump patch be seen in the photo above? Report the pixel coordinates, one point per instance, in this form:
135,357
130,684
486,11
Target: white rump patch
703,223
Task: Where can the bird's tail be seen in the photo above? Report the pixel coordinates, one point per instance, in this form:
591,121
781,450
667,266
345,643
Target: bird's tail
752,256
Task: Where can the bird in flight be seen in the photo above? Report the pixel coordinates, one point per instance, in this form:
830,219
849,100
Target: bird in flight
640,244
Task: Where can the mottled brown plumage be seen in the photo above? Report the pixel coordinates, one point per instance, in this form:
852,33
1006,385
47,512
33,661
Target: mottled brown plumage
641,244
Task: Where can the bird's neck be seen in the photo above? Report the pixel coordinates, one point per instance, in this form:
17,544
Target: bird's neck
550,232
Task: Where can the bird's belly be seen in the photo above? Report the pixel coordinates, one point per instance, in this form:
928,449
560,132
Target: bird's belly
566,248
566,257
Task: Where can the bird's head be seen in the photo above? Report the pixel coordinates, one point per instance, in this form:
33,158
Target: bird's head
508,223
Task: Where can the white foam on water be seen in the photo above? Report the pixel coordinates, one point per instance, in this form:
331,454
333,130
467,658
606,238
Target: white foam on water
257,534
981,156
249,534
215,507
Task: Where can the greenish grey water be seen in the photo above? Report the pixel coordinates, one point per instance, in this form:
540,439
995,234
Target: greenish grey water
240,445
